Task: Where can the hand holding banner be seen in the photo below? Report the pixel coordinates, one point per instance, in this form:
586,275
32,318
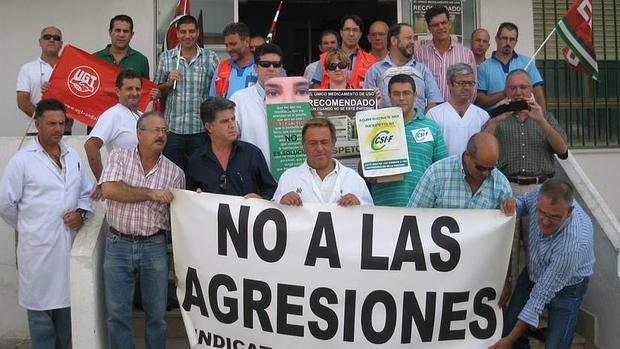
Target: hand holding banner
260,274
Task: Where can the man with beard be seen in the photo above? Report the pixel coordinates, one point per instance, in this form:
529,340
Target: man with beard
137,184
442,51
492,72
237,72
116,127
33,76
400,61
351,29
250,107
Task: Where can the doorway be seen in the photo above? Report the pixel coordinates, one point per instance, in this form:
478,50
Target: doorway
301,22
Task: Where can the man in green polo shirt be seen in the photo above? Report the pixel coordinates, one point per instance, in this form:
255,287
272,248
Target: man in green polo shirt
425,144
118,51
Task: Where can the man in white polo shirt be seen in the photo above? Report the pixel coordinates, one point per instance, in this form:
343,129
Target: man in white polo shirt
458,118
35,74
116,127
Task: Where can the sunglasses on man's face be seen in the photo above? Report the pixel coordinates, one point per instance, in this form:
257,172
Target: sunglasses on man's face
267,64
51,36
333,66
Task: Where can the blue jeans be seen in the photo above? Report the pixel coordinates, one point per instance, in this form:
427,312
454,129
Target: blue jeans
124,262
180,147
563,310
50,329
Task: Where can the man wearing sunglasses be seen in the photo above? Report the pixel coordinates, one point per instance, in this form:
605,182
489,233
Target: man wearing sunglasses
561,259
250,109
467,180
33,76
224,164
458,118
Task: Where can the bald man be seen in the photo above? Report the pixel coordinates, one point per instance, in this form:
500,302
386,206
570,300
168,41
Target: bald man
377,37
467,180
479,43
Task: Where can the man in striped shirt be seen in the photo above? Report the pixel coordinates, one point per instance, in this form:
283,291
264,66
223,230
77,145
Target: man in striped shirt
136,182
561,259
425,144
184,78
443,51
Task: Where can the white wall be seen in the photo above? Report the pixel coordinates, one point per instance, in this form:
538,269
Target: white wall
491,13
83,23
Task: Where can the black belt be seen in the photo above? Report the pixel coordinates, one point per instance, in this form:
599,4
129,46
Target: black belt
133,237
527,180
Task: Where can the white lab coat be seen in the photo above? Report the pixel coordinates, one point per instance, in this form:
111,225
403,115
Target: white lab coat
299,179
34,196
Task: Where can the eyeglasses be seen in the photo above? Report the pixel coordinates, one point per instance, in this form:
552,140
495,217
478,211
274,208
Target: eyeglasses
351,30
267,64
333,65
464,83
51,36
156,129
223,183
398,94
551,217
377,35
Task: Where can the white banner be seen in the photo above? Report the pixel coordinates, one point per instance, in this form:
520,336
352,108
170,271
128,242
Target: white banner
254,274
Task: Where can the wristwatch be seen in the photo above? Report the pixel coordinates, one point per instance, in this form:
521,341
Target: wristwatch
82,213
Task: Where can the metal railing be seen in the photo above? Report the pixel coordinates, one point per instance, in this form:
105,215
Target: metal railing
587,109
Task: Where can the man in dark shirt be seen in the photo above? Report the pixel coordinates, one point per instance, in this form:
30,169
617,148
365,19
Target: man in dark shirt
225,165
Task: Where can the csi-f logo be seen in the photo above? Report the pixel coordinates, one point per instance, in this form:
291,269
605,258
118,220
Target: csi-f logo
382,139
83,81
421,134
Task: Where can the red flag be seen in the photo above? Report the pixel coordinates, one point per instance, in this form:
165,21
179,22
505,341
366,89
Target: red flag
171,40
86,85
576,30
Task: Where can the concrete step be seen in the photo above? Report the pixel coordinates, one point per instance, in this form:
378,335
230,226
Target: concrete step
578,343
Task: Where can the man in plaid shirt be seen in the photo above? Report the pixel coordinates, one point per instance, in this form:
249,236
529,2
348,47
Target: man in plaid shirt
184,78
467,180
137,182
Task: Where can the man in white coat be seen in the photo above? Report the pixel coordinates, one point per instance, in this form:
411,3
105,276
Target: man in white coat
321,178
44,196
251,111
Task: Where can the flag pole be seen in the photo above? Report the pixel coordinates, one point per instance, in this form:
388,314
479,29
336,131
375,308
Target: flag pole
174,84
540,47
272,30
27,128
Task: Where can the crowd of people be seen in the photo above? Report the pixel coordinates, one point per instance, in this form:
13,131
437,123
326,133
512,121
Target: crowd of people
213,137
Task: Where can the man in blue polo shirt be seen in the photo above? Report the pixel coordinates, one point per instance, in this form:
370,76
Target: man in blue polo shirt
492,72
237,72
425,144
